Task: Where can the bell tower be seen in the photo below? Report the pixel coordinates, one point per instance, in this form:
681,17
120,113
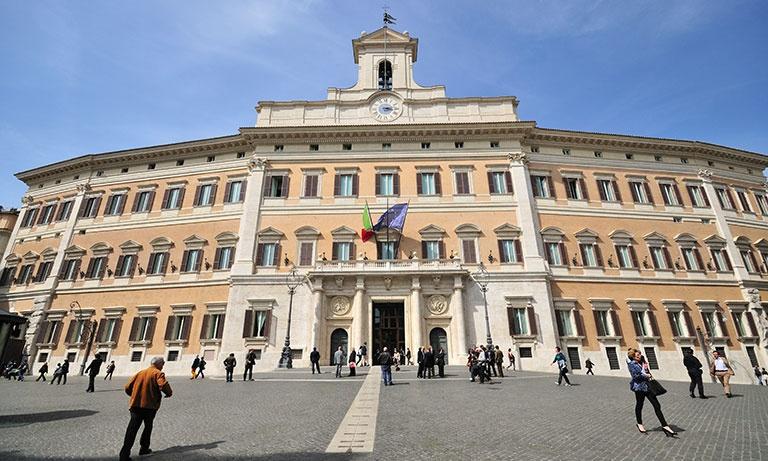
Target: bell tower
385,60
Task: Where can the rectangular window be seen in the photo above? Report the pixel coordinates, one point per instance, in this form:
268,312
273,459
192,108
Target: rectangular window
7,276
306,253
278,148
346,147
96,268
749,261
462,182
173,356
70,269
641,193
721,260
602,323
670,194
469,254
564,322
698,196
724,198
638,317
173,198
206,194
158,263
311,182
47,214
675,320
136,356
626,256
234,192
345,185
115,205
710,323
590,255
426,145
738,324
613,358
520,321
29,217
213,326
555,255
191,260
500,182
458,144
386,250
660,258
224,258
65,210
762,204
607,190
541,186
276,185
260,324
494,144
387,184
692,259
744,201
650,355
386,146
428,183
342,251
267,254
510,251
574,189
43,271
126,265
25,275
143,201
430,250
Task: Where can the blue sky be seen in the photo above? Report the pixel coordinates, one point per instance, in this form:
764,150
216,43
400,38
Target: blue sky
81,77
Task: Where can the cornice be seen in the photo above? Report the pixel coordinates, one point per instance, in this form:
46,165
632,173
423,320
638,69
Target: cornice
298,103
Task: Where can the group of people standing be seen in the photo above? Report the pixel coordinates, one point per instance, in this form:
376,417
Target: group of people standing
484,362
426,359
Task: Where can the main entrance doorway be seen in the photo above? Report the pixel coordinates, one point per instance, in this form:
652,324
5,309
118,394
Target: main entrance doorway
438,339
338,338
388,327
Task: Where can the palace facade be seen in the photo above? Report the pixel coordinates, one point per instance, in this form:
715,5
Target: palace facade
593,242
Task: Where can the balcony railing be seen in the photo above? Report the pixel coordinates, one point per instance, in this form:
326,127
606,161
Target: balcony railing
396,265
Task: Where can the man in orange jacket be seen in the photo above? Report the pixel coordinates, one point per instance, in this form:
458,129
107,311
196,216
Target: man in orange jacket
145,391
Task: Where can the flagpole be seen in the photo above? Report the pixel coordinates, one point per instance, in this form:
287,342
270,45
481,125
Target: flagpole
387,211
407,206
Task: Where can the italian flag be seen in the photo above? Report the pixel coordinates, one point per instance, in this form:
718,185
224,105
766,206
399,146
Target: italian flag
367,231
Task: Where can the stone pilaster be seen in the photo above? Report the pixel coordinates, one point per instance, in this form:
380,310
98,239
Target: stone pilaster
318,293
359,319
527,214
249,221
417,317
459,319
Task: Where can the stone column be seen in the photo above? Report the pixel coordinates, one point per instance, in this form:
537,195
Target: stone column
317,318
249,221
527,214
457,310
417,318
359,319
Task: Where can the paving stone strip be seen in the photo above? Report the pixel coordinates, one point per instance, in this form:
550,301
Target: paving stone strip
357,430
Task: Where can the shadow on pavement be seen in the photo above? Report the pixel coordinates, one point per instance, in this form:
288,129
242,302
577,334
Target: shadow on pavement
31,418
304,456
185,448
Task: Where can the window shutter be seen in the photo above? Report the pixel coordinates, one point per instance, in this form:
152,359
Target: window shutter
335,251
511,320
636,323
419,189
677,194
151,200
110,200
559,322
220,328
465,183
89,272
214,188
135,206
469,251
491,187
286,186
181,196
119,266
96,206
563,254
268,325
305,253
616,190
103,269
198,189
204,328
217,258
185,329
583,188
635,198
116,331
134,329
616,324
508,181
243,185
42,330
438,184
699,261
601,191
199,262
667,257
352,251
423,249
583,257
169,327
71,331
396,183
634,257
599,326
378,184
705,196
277,255
730,197
532,321
81,212
355,184
152,262
579,322
648,192
166,195
248,324
227,190
164,269
690,195
502,256
672,324
266,188
184,258
706,325
552,193
259,254
654,324
307,186
337,185
519,251
752,326
100,331
132,269
721,321
441,246
151,328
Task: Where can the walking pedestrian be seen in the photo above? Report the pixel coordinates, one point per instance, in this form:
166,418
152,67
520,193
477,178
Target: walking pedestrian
229,365
93,370
589,366
721,369
250,361
352,363
499,357
64,371
364,353
562,364
511,358
44,369
385,361
490,357
195,366
396,359
201,368
420,363
23,367
429,363
56,374
145,391
758,375
338,360
440,359
314,359
110,370
693,365
639,385
408,355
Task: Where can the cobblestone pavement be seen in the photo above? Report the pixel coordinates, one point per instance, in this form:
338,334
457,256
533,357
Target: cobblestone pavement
294,415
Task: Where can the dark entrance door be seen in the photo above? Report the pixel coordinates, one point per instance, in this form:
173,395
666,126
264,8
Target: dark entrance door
338,338
439,339
388,327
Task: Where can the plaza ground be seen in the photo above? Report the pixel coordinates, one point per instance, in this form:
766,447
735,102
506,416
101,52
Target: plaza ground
295,415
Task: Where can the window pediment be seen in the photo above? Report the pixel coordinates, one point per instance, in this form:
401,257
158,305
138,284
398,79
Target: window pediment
30,256
307,232
101,249
343,233
432,232
715,241
12,260
686,239
706,305
587,235
762,244
621,237
673,305
270,235
655,239
195,242
74,251
507,230
226,239
468,230
601,304
49,254
639,304
161,244
130,247
552,235
742,242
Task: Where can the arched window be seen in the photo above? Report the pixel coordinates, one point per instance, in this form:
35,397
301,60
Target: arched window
385,75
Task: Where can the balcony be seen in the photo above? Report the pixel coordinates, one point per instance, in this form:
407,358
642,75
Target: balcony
399,266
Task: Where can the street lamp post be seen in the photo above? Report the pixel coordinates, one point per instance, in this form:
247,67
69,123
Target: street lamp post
482,277
90,330
292,281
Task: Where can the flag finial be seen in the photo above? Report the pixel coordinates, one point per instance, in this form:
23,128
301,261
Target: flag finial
388,18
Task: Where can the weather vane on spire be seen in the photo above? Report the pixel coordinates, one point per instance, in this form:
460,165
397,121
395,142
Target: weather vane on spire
388,18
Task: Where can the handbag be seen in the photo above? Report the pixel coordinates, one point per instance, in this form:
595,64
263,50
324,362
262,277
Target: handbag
655,388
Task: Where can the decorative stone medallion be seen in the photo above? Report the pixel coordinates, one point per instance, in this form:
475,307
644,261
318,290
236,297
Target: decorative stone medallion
340,305
437,304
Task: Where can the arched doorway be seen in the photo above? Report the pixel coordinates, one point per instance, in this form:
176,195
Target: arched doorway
339,337
439,339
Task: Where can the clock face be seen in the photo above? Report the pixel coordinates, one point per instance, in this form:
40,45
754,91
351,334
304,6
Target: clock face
386,109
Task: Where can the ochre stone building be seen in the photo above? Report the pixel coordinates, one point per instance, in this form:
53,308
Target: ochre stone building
594,242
